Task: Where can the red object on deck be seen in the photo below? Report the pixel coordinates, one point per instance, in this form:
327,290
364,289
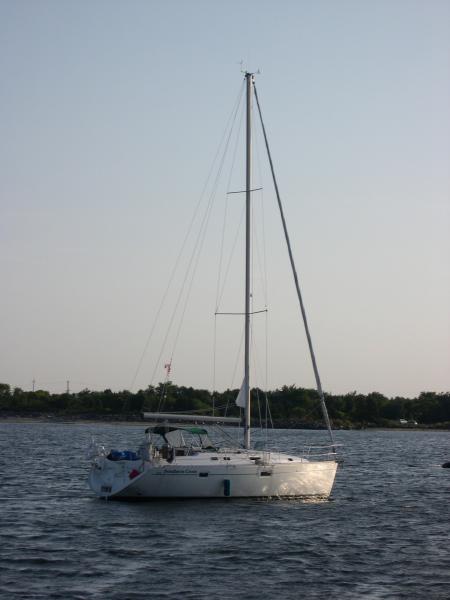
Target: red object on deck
134,473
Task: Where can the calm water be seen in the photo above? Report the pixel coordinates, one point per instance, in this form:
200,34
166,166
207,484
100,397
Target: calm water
384,534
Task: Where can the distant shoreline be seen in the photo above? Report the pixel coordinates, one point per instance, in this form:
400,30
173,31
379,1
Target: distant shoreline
136,421
290,407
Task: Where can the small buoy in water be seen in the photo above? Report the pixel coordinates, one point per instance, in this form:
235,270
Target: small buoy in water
446,465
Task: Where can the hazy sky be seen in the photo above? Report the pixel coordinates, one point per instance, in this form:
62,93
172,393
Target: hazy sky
110,115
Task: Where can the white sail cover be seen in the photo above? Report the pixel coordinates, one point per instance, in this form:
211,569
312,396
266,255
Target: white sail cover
240,400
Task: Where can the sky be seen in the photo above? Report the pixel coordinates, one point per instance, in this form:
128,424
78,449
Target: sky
111,114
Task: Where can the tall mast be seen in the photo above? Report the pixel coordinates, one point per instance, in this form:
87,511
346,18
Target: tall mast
248,185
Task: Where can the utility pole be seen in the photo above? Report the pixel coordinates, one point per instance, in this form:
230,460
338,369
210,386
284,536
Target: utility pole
34,381
67,387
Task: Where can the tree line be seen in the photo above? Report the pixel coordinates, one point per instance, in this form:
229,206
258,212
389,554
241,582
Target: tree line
288,406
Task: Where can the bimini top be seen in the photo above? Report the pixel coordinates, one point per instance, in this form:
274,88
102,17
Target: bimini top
163,429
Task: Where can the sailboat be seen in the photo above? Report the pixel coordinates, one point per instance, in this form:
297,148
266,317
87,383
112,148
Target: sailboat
179,458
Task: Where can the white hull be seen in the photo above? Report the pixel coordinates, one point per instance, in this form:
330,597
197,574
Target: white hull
214,475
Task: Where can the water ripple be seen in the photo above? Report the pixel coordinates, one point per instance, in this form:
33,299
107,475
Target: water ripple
383,535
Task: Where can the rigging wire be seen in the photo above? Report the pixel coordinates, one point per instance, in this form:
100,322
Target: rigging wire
219,294
222,243
193,261
264,282
261,266
194,271
238,357
257,378
230,259
213,396
261,263
202,233
297,285
233,161
259,408
266,387
190,273
188,232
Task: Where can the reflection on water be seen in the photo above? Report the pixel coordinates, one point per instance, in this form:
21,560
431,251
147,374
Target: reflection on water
382,535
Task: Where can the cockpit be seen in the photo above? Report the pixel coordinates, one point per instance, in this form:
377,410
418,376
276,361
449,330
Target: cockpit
167,441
